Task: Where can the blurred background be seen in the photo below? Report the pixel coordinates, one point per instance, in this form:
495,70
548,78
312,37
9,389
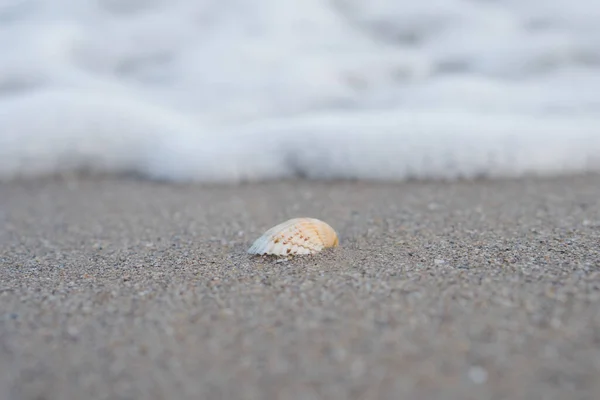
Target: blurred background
194,69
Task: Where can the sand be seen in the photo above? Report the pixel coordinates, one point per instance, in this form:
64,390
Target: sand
122,289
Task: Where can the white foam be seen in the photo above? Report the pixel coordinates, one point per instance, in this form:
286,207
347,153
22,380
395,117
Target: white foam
234,90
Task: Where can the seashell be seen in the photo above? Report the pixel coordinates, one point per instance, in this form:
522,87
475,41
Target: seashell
295,237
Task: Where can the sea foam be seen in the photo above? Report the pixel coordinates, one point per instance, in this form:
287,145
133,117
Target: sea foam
237,90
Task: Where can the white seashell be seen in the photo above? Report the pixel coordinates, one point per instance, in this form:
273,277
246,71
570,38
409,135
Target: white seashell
294,237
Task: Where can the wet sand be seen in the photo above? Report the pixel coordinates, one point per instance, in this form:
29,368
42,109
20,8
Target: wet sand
121,289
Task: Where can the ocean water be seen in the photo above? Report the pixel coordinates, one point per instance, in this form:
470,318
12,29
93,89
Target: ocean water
250,90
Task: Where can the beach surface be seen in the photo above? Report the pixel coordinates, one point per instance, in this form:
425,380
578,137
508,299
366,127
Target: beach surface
125,289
